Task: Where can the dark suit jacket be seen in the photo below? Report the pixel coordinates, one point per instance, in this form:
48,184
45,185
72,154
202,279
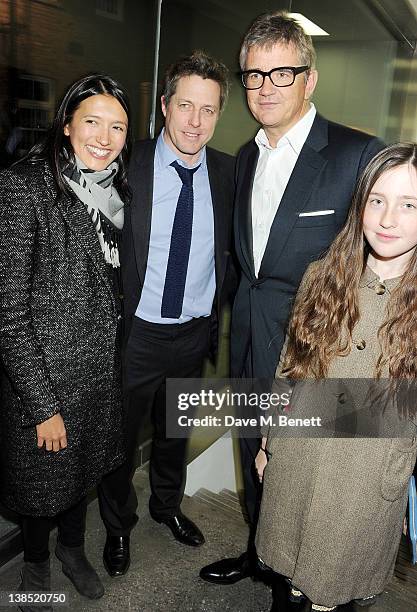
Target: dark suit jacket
137,226
323,178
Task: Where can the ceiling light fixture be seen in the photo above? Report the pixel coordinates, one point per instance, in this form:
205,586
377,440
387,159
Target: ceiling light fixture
308,26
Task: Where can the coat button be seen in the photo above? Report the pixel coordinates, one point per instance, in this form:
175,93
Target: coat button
380,289
361,345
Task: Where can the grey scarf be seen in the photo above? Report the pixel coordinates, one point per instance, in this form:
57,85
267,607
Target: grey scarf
96,191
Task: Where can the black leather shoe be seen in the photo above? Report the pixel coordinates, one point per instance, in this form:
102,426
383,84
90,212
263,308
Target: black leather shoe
116,555
183,529
227,571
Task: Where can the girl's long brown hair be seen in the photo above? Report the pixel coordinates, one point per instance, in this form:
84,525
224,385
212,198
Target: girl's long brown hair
326,309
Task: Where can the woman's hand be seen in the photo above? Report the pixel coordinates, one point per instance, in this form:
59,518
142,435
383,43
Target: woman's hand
261,460
52,433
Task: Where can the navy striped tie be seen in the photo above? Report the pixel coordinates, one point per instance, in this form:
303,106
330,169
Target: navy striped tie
179,250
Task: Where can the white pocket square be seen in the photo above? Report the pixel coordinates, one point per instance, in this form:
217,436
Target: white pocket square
316,213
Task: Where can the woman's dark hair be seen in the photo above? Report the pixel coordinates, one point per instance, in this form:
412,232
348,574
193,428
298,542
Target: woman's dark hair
57,148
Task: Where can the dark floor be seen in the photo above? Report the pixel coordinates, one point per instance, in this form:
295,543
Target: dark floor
164,574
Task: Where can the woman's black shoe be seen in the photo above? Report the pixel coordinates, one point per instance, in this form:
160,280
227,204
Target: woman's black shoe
36,577
79,570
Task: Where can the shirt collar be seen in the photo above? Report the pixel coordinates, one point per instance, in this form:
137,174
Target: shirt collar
371,280
295,137
164,155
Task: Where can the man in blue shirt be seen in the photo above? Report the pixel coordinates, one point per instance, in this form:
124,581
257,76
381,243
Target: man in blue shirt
176,243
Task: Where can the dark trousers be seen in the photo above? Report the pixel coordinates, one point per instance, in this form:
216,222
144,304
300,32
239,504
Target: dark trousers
249,448
154,352
36,529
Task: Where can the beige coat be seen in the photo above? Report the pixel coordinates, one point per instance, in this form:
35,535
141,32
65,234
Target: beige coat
332,509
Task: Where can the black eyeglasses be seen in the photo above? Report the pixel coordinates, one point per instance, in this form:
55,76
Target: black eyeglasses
283,76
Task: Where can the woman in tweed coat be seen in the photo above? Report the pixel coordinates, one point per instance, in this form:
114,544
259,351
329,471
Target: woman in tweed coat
332,509
61,212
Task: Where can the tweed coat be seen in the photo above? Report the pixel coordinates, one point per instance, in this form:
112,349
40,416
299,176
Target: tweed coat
332,509
58,345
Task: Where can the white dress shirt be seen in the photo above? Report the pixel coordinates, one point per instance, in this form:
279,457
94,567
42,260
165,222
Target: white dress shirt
274,168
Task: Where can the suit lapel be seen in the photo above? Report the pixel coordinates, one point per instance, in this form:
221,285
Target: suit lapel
243,235
309,165
75,214
141,175
219,214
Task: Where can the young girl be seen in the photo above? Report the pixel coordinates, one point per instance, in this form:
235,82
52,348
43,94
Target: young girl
333,508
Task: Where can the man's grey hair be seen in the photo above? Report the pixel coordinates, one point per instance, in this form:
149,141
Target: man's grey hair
270,29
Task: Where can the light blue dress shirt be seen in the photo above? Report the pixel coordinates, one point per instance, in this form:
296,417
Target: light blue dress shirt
200,284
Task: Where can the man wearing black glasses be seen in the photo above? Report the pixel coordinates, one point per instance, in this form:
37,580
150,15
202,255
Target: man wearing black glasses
295,180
